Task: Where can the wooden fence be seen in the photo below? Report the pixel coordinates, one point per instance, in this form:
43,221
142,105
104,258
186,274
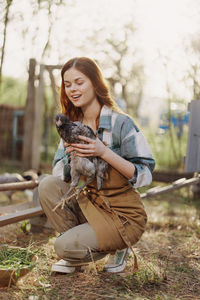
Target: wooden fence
11,131
33,112
34,209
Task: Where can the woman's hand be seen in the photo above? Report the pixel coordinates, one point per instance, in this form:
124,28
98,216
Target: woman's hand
92,148
68,148
97,148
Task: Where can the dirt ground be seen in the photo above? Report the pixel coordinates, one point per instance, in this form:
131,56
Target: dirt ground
168,256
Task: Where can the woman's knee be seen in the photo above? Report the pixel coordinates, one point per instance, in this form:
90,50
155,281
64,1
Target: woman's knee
59,247
46,183
73,250
66,246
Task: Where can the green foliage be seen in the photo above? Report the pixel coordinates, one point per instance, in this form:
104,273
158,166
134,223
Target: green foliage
25,226
161,146
13,91
150,273
16,259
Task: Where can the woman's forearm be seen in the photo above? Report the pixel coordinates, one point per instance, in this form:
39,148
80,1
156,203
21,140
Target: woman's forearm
97,148
122,165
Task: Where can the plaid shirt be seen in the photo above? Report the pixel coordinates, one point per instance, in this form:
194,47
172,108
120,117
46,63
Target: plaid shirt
123,137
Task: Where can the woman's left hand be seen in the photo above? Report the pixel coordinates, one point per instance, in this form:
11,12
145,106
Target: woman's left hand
92,148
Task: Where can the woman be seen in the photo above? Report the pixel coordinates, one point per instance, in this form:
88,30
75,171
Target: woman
112,219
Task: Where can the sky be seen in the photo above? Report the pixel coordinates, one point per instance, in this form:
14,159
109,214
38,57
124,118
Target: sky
164,29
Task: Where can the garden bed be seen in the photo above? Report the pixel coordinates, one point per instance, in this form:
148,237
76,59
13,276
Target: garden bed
15,262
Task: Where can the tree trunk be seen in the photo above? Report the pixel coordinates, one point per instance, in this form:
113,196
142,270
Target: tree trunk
9,2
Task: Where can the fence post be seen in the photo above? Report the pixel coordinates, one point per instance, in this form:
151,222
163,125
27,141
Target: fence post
29,116
192,162
37,126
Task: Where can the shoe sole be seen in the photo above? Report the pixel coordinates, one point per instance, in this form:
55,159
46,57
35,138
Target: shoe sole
115,268
63,269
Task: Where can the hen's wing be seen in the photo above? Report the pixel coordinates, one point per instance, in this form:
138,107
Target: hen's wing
84,130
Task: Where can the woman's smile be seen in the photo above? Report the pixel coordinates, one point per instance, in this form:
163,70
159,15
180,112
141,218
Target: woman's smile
76,97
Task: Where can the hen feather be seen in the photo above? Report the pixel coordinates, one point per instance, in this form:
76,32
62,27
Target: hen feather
89,167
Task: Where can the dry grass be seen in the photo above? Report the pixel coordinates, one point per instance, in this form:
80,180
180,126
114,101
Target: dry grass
168,256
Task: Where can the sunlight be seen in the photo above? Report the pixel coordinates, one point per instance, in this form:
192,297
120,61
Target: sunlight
164,20
161,27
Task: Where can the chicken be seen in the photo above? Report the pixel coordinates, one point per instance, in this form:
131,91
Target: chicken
89,167
16,177
9,178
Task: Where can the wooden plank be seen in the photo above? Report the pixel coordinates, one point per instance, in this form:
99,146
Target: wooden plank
169,188
170,176
179,182
53,67
21,215
15,186
16,207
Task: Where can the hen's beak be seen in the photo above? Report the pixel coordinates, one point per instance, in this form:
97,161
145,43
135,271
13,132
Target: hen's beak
58,123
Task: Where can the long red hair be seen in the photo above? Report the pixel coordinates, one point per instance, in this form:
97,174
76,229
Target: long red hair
90,69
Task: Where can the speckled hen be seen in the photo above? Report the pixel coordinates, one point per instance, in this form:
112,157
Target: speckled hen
89,167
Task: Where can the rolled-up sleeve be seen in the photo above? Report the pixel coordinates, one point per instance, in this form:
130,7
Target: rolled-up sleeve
61,163
135,148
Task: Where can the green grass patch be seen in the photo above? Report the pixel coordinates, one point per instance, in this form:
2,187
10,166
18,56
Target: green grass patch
15,258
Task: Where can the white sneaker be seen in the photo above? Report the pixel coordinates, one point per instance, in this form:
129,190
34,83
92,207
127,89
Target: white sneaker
120,260
64,266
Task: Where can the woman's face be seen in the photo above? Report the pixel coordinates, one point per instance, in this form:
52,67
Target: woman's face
78,88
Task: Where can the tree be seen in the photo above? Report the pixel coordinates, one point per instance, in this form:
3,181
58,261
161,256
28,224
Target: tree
193,73
128,69
5,21
117,53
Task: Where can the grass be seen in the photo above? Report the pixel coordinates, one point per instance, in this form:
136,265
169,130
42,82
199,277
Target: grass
14,262
168,258
15,258
168,150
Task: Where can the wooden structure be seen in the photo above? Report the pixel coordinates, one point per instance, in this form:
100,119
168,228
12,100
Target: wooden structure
11,131
180,183
33,112
170,176
192,163
22,211
19,212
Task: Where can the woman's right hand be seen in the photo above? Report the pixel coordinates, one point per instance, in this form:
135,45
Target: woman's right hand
68,148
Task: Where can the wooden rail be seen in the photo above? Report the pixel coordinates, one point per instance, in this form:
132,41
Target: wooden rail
170,176
16,186
31,212
180,183
21,215
22,211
